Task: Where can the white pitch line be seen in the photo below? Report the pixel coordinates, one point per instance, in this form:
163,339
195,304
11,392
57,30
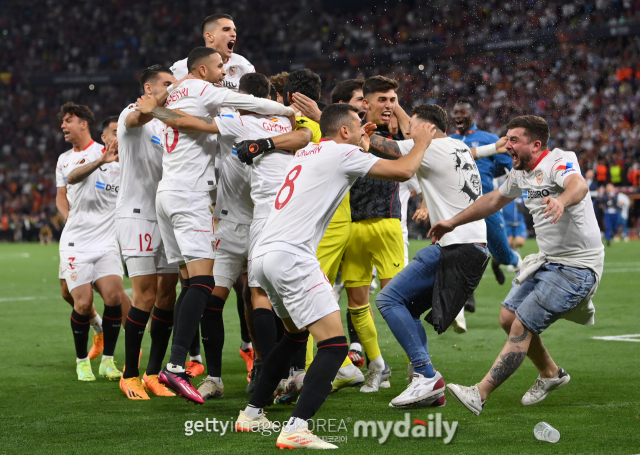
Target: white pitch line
619,338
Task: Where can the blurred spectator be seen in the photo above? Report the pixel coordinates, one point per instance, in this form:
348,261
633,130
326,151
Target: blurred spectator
624,203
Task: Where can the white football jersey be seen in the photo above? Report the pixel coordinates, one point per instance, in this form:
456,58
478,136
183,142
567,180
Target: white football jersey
61,167
236,67
91,223
188,158
316,181
267,171
66,163
450,183
577,229
140,150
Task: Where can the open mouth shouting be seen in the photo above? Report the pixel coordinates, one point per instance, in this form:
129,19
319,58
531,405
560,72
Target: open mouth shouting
385,116
230,45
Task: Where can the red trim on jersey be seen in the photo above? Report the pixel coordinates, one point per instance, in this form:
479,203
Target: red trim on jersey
545,153
314,287
90,144
203,285
204,89
240,118
323,140
135,322
358,148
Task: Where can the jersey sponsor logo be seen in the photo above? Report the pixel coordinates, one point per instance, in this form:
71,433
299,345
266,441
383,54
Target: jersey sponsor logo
539,177
229,84
567,171
535,194
107,187
155,140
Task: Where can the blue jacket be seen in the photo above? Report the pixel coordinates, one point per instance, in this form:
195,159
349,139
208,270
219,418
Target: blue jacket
491,167
512,214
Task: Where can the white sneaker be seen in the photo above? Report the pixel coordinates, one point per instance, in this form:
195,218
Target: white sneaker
246,423
385,384
541,388
468,396
302,439
375,379
421,389
460,323
210,388
292,388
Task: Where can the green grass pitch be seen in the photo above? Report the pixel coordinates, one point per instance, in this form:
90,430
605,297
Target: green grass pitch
44,409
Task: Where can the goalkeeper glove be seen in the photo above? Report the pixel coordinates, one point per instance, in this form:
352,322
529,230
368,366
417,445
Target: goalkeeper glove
249,150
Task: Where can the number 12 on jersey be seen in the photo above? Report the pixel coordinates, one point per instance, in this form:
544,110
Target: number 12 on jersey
147,239
289,186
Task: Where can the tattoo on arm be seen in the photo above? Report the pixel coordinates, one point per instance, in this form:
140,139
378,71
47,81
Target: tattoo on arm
162,113
521,338
207,120
506,366
383,147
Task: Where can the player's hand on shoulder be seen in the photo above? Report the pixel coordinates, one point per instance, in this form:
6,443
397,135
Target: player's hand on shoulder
251,149
439,229
554,208
368,131
501,145
306,106
146,103
110,152
423,134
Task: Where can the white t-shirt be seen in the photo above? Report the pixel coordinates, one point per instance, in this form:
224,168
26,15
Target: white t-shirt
140,150
317,180
268,170
236,67
450,183
62,168
624,203
404,192
577,229
188,158
91,224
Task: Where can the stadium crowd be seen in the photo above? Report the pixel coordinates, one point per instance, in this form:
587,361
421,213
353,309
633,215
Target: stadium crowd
586,91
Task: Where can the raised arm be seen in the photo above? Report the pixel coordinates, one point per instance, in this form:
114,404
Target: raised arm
383,147
62,203
257,105
250,149
403,168
489,150
480,209
80,173
403,119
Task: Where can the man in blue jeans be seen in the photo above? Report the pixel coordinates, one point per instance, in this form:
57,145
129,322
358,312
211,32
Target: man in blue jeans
450,270
490,167
556,283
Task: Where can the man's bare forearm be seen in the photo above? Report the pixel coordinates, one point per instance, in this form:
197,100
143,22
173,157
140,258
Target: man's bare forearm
574,192
384,148
82,172
482,208
294,140
185,122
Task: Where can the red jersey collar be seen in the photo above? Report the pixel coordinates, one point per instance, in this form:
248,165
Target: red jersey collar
545,153
89,145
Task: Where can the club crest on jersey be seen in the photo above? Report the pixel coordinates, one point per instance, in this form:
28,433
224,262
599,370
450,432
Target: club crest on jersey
73,276
232,70
539,177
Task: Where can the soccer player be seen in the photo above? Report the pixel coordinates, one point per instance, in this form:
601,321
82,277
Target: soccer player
557,282
285,264
80,138
183,201
376,234
219,33
446,272
153,279
279,81
88,251
464,113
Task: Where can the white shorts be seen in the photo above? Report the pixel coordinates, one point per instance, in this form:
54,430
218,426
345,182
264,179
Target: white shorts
186,225
232,252
60,271
257,225
142,248
89,266
296,286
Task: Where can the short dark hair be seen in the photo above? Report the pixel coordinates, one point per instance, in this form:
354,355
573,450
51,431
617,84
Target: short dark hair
343,91
334,117
255,84
214,18
279,81
535,128
81,111
108,121
152,72
197,54
471,103
376,84
432,113
306,82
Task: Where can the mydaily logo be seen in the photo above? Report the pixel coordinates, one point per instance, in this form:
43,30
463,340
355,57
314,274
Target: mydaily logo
432,428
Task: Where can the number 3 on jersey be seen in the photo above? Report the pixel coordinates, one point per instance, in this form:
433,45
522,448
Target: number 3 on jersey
288,184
